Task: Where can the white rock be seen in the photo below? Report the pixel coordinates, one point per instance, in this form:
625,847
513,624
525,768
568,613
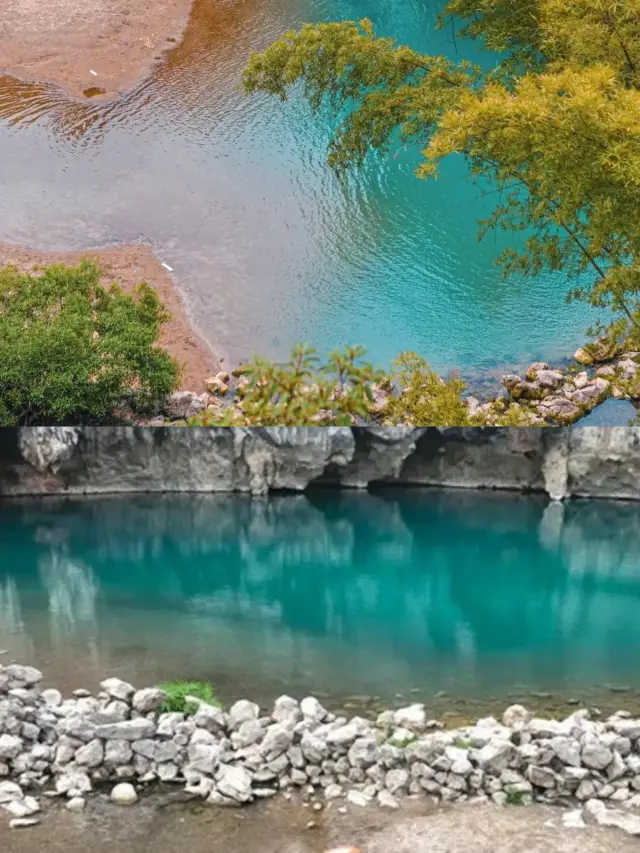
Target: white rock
51,697
314,749
387,800
567,750
76,804
357,798
278,739
124,794
234,783
333,792
22,808
286,709
10,791
242,710
496,755
118,689
10,746
23,822
204,757
596,755
117,753
312,709
396,780
127,730
412,717
573,819
612,817
22,676
516,717
148,699
363,752
73,780
91,754
211,718
543,777
344,735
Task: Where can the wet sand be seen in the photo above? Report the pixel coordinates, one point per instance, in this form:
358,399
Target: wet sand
62,41
129,265
157,824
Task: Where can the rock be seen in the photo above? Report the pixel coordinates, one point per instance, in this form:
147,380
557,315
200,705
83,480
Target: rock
25,807
51,697
567,750
596,755
313,710
234,783
387,800
277,740
549,378
118,689
149,699
314,748
519,388
123,794
203,757
9,791
582,356
496,755
344,735
603,816
363,752
23,822
396,780
131,730
357,798
117,753
241,711
592,394
333,792
10,746
73,780
559,409
218,384
542,777
413,718
184,404
91,754
516,716
286,709
76,804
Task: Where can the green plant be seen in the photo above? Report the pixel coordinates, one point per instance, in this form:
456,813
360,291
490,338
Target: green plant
402,742
514,798
461,743
426,398
178,691
73,351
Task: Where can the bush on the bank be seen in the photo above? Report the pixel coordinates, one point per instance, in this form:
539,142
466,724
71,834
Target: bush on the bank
302,391
426,397
178,691
72,350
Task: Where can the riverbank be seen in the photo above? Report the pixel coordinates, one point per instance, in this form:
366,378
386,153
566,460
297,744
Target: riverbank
124,741
128,266
63,41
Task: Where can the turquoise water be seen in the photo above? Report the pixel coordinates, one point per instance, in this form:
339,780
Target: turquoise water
235,195
486,597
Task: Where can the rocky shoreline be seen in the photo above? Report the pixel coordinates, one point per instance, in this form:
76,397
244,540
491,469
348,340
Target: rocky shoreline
543,396
122,738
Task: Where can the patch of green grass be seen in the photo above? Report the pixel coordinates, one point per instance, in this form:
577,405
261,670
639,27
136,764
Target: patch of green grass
177,692
461,743
514,798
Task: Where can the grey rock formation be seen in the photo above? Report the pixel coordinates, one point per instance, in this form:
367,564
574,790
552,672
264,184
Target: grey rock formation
594,462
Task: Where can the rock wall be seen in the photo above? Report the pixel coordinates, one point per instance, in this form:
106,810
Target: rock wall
595,462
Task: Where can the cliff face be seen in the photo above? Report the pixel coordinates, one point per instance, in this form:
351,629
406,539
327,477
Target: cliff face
594,462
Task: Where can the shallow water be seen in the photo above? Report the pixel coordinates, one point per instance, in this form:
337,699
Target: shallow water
235,195
489,598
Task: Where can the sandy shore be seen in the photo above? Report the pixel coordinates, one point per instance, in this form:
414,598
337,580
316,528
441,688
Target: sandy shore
63,41
129,265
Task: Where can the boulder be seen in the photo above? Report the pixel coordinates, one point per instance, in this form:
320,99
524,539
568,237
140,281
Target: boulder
118,689
124,794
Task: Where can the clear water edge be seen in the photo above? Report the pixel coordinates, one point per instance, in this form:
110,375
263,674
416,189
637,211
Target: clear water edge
466,602
234,193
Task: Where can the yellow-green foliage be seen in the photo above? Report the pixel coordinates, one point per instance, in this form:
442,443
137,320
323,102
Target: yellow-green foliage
426,398
556,125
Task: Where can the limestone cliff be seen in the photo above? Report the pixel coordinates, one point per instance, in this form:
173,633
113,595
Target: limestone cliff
595,462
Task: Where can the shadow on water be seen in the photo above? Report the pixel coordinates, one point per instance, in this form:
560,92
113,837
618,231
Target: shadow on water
234,192
484,597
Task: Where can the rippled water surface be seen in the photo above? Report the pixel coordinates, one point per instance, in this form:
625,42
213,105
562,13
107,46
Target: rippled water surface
485,597
235,195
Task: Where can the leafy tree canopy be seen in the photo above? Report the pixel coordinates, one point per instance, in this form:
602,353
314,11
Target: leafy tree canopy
72,350
555,125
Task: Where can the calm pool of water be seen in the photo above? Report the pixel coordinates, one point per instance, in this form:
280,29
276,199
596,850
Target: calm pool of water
486,597
235,195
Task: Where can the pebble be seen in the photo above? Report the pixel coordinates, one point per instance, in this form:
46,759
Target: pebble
23,822
76,804
124,794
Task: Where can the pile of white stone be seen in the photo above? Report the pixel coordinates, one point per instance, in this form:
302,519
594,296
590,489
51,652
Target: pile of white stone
54,746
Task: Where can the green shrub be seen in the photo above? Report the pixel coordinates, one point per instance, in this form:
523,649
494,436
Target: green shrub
177,691
72,350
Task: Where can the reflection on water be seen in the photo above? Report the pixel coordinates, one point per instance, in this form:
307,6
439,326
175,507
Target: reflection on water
339,593
235,194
